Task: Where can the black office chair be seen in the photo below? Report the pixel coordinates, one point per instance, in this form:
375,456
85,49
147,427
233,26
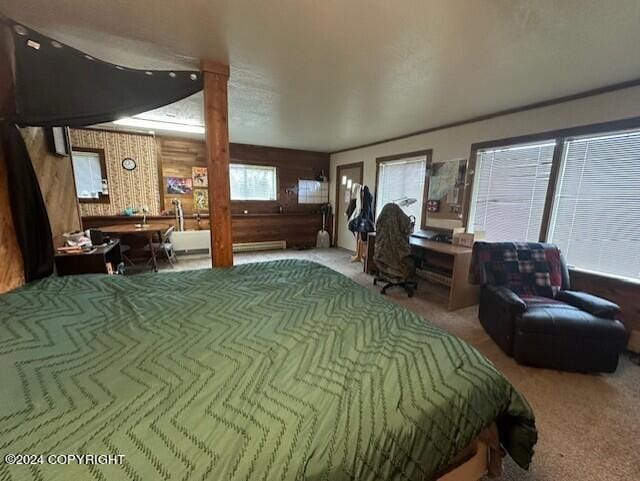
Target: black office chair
392,254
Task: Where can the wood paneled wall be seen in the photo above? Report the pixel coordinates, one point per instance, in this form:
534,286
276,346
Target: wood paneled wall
177,156
299,223
55,176
624,293
291,164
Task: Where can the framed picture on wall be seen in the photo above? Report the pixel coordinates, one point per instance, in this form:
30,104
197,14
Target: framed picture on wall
179,185
201,199
200,177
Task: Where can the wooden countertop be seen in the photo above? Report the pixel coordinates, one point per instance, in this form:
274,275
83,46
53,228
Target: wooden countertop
442,247
193,216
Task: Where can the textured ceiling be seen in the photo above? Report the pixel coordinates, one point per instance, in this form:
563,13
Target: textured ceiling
330,74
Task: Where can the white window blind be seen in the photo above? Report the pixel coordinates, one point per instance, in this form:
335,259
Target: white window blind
253,182
87,170
402,180
596,214
509,192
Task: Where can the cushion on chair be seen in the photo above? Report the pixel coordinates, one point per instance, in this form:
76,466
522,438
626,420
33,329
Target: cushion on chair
565,320
529,268
593,304
531,301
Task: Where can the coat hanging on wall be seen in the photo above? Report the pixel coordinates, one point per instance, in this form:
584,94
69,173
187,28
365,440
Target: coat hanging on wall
46,83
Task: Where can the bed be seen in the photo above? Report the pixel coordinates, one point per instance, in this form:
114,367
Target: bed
280,370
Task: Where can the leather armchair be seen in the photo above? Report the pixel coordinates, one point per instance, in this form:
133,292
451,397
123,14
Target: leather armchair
595,305
544,325
502,306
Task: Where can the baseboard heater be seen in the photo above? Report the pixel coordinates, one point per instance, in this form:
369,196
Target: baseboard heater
191,241
200,240
259,246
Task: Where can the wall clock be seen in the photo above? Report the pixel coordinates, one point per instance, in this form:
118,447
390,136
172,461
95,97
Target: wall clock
128,164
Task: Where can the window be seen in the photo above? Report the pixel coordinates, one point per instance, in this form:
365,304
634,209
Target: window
595,218
509,193
90,173
253,182
402,181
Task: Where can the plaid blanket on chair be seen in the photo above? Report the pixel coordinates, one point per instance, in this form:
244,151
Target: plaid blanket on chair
527,268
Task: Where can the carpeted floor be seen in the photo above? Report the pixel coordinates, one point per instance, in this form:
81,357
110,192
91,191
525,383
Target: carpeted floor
589,425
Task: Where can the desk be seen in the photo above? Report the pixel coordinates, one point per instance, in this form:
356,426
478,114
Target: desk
92,262
147,230
440,263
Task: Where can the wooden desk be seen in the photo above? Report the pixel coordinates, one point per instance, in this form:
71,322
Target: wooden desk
448,265
441,263
91,262
147,230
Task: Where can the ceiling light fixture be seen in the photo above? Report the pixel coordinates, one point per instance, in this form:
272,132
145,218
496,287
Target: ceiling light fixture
158,125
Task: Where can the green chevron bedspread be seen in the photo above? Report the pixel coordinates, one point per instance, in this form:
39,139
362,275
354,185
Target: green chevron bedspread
282,370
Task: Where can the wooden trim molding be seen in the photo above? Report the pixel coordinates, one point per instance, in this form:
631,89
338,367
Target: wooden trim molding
560,136
428,153
336,215
130,131
468,191
102,198
558,150
568,133
523,108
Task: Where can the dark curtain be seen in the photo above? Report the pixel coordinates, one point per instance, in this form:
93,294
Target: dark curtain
52,84
30,218
57,85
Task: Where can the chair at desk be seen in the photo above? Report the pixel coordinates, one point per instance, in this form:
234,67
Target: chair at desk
164,247
392,254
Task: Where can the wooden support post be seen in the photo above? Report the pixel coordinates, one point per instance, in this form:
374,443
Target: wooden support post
215,77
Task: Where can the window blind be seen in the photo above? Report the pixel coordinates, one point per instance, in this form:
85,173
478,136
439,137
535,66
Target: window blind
88,174
402,179
253,182
596,215
510,188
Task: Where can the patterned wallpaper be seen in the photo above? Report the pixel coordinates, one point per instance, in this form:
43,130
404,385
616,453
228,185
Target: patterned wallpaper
126,188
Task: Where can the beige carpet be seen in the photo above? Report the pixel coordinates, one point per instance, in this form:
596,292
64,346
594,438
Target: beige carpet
589,425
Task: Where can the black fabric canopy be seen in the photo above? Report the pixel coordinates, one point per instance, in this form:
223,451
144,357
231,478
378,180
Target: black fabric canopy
51,84
57,85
